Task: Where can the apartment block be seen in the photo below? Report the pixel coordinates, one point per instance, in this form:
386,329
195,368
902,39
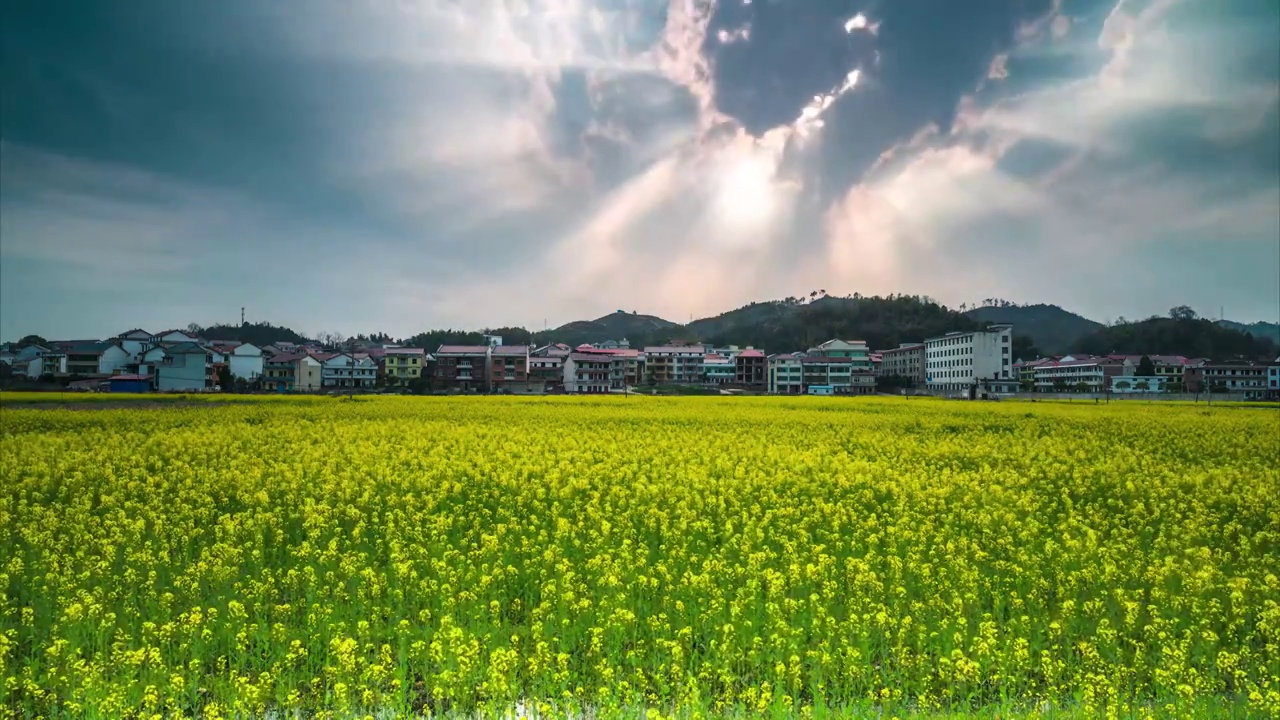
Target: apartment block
958,360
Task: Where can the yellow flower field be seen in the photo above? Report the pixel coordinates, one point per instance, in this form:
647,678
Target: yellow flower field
640,557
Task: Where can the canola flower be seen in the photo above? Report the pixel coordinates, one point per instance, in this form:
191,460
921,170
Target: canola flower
641,557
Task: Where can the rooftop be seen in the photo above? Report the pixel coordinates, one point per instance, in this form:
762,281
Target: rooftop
463,350
511,350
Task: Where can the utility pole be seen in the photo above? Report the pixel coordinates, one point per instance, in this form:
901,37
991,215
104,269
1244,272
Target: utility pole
242,316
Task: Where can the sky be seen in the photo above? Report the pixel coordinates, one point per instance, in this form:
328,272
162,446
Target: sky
399,165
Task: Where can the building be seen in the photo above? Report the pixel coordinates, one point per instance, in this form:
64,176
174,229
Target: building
751,368
719,370
401,366
103,358
1138,384
462,367
245,361
47,362
1077,374
786,375
1273,380
134,342
509,368
588,372
855,350
347,370
1244,378
956,361
844,375
622,344
293,372
907,362
674,363
546,373
185,366
174,336
130,383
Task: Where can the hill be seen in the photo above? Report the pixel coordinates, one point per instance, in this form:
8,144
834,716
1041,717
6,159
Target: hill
787,325
1269,331
639,330
1052,329
260,333
1192,337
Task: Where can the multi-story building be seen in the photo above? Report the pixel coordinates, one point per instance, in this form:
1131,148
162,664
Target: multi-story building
1273,380
102,358
906,362
719,370
750,368
854,350
588,372
401,366
293,372
841,375
245,361
509,367
546,373
1072,374
185,366
1245,378
674,363
463,367
958,360
1168,367
347,370
786,375
134,342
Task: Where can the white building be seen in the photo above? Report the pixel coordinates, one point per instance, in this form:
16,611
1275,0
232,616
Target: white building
246,361
956,361
346,370
588,372
675,363
1273,379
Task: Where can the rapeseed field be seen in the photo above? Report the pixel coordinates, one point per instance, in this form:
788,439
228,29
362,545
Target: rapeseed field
640,557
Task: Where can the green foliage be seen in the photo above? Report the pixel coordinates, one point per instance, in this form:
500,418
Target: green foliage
1146,368
1050,328
1166,336
259,333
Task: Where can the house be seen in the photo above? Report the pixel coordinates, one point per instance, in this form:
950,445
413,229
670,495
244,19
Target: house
102,358
245,361
130,383
855,350
1072,373
186,366
1273,380
622,344
786,375
905,362
750,368
1169,367
546,373
293,372
175,336
958,360
347,370
134,342
462,367
509,368
49,362
674,363
719,370
403,365
588,372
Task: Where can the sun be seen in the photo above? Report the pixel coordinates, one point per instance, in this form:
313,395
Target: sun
746,196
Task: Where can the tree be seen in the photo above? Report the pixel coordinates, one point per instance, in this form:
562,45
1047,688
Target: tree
32,340
1146,368
1142,385
194,330
225,381
1059,384
1082,387
1182,312
1123,384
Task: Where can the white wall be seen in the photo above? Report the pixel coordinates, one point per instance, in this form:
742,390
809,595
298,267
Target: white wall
112,359
246,362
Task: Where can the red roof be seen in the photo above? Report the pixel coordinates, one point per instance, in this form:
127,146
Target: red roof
751,352
590,357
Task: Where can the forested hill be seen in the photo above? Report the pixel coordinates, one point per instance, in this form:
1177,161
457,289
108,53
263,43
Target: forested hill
1053,330
1191,337
260,333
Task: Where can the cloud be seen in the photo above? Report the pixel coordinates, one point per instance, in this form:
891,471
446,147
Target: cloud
972,207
